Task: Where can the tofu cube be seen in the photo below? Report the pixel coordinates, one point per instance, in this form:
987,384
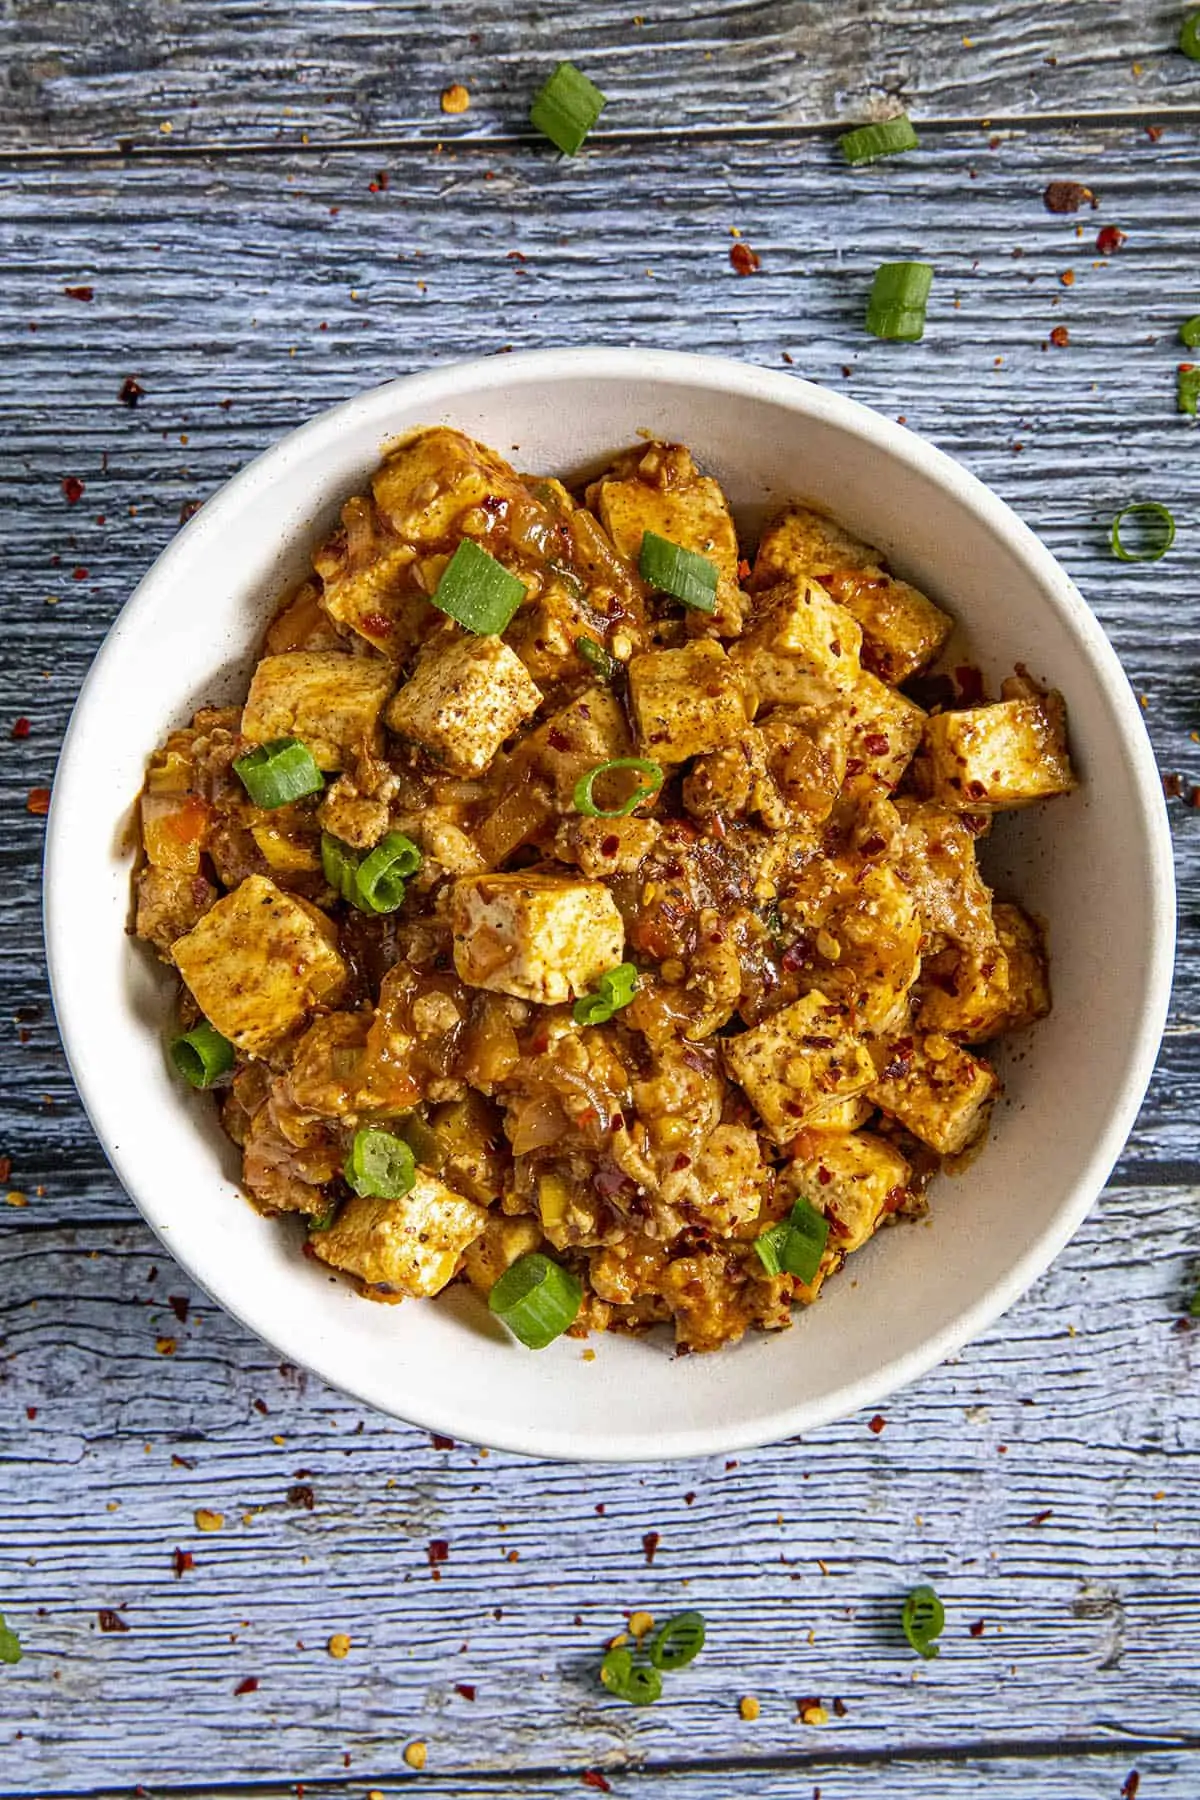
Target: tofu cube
537,937
842,1115
259,962
797,622
427,484
989,758
798,1061
591,730
686,702
502,1241
980,995
884,732
463,699
327,699
369,582
938,1090
408,1247
854,1178
799,541
658,488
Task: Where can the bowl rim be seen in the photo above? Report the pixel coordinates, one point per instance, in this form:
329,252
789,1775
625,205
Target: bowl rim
438,387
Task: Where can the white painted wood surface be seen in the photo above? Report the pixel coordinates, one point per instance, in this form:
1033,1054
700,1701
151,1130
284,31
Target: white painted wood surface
243,302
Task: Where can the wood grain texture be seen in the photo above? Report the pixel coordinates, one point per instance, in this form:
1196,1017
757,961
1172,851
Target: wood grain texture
212,283
218,71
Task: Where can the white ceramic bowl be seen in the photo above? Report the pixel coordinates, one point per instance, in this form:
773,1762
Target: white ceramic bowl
1097,866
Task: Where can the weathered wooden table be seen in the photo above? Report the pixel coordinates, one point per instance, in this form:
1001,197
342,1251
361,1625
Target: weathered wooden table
256,211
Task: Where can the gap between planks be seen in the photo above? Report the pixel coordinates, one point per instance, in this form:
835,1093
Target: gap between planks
122,151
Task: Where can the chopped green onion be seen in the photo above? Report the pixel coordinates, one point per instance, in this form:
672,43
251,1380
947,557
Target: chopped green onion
478,591
888,138
1144,511
1188,391
202,1055
379,1165
630,1680
679,1642
323,1221
339,863
671,569
424,1142
923,1617
1189,36
582,799
380,876
1189,332
796,1245
899,294
10,1643
615,989
537,1299
275,773
566,107
597,658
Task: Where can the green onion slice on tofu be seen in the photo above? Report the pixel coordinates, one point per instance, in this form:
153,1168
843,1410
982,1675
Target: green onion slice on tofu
899,295
922,1618
602,664
477,591
339,864
379,1165
566,107
615,989
1189,36
1188,393
671,569
380,876
678,1642
888,138
537,1299
628,1680
323,1221
275,773
796,1245
584,803
1189,332
202,1055
1157,524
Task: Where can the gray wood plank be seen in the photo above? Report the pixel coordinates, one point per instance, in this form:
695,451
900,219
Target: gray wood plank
218,71
1081,1563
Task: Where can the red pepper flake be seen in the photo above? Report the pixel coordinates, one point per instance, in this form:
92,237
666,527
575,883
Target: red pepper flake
1154,132
79,293
1067,196
650,1543
745,261
876,1424
442,1443
179,1304
789,361
970,684
689,1498
111,1621
183,1462
131,391
79,574
840,1708
248,1685
438,1552
466,1689
181,1562
72,488
376,622
1173,787
21,728
977,1629
1060,336
594,1779
732,1463
301,1495
1110,238
1130,1785
517,256
1039,1518
38,801
31,1413
601,1508
1194,797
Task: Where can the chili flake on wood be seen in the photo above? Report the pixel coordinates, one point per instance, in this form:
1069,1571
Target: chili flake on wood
744,260
38,802
111,1621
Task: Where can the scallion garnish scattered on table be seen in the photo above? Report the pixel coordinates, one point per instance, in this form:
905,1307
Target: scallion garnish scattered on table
922,1618
566,108
867,143
1156,532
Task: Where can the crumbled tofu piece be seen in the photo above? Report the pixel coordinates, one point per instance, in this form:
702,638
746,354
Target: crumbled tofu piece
369,581
884,731
324,1074
408,1247
658,488
427,485
797,1061
607,846
327,699
977,995
938,1090
853,1178
797,622
788,769
685,701
988,758
1024,945
502,1241
902,629
537,937
357,818
726,1185
258,962
799,541
936,856
463,699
